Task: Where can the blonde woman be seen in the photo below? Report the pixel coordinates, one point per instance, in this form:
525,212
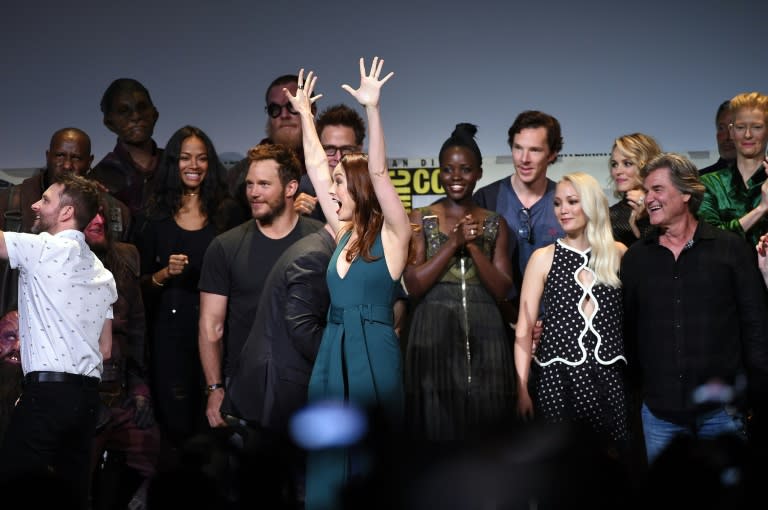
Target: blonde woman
580,359
629,155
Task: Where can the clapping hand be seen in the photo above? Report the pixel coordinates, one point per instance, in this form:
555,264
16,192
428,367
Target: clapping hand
762,256
466,231
304,204
370,85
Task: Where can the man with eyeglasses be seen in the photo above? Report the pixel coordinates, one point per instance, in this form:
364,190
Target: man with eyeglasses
736,197
342,132
283,127
725,146
525,198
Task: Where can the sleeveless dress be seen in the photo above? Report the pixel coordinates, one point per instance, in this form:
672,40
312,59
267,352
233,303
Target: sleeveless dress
580,358
459,368
358,361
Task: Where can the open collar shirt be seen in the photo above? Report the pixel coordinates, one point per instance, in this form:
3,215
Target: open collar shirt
65,295
694,320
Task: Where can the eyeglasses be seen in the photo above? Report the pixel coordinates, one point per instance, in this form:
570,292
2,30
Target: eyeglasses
756,129
330,150
274,110
525,231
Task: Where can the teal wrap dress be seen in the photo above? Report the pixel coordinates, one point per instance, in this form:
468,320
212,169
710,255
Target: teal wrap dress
359,361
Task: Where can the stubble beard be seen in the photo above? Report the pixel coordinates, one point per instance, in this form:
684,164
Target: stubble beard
276,211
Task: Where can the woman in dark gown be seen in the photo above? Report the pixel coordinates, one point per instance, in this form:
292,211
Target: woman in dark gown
629,154
459,370
188,208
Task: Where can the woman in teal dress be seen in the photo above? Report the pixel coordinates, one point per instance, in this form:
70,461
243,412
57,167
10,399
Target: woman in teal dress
359,359
459,368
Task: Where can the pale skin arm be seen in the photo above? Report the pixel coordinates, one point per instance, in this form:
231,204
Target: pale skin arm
105,340
636,200
213,312
762,257
3,247
315,158
530,300
396,232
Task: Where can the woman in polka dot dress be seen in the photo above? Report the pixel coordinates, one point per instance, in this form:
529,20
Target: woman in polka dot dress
579,377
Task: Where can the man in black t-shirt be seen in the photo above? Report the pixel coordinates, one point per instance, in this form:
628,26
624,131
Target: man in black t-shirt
238,261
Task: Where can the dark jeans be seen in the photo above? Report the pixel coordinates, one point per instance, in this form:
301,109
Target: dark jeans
51,433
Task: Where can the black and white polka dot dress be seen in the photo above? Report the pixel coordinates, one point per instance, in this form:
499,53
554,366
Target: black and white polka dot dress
580,375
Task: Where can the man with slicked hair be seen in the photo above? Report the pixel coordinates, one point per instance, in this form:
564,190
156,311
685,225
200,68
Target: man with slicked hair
525,198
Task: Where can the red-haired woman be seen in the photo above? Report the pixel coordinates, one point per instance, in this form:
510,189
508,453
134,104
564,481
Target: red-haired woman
359,357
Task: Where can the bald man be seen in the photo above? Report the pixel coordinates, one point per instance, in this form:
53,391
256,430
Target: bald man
68,152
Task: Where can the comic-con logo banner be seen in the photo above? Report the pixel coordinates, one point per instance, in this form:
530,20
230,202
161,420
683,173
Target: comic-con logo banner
417,181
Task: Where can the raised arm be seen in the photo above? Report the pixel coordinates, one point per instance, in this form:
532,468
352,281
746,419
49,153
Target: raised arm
315,158
396,232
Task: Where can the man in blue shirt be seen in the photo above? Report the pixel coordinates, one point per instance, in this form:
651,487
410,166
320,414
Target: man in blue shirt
525,199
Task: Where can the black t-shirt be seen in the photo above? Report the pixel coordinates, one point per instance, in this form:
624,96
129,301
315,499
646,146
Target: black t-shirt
236,264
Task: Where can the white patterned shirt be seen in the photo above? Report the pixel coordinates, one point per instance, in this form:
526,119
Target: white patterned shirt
65,295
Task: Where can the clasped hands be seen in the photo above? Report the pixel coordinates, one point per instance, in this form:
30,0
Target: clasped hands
466,230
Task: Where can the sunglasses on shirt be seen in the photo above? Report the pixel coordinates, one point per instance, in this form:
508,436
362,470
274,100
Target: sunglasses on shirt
525,231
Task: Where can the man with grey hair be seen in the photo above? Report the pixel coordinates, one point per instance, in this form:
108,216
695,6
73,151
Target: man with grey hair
696,315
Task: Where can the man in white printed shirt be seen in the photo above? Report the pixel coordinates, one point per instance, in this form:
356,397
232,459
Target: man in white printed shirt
65,330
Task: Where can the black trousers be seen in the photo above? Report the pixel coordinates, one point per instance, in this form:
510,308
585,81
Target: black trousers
51,434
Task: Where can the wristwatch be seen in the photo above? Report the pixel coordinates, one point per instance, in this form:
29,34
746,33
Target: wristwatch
213,387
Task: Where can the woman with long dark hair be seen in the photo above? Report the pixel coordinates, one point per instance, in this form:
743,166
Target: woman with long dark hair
189,206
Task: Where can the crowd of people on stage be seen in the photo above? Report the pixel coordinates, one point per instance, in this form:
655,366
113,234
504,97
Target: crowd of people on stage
285,332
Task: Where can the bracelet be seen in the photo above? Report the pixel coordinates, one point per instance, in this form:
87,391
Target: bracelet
156,282
213,387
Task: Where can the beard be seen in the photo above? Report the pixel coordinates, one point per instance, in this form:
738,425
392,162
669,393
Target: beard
289,136
98,247
39,226
276,209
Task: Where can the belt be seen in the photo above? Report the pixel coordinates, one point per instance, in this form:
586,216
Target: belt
61,377
373,313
